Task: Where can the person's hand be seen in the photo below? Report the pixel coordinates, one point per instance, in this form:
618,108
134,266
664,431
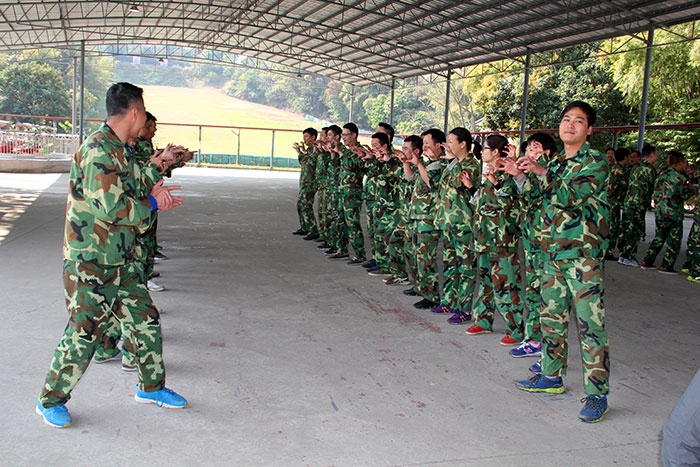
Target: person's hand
512,152
509,165
528,165
163,196
298,147
488,174
447,153
466,181
162,159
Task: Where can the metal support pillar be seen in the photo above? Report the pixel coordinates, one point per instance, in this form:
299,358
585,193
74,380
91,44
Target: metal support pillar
82,90
645,89
74,108
526,90
352,102
391,109
447,100
272,151
615,138
199,148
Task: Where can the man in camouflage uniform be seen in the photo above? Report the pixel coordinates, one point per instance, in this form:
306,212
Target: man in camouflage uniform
103,217
575,235
670,191
617,190
335,219
307,184
423,208
455,218
320,176
637,202
692,261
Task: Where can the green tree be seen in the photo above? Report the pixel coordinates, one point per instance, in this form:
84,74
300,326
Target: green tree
33,89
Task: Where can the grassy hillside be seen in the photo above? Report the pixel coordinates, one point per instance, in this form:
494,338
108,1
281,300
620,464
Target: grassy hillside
213,107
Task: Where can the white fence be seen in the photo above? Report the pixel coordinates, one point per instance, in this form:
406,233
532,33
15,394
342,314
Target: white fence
37,146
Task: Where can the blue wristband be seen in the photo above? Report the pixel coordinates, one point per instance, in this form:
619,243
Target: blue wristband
154,203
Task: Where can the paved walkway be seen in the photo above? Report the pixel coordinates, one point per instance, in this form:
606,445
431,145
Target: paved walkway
291,359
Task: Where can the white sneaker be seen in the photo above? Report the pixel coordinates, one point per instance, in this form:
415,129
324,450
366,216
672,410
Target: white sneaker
153,286
628,262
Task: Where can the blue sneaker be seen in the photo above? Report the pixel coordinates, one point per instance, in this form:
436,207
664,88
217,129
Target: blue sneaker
56,416
163,398
595,406
536,367
527,349
540,383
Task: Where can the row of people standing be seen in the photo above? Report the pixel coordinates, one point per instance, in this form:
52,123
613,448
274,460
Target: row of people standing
472,197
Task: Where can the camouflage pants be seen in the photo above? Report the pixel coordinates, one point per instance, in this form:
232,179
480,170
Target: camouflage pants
396,242
631,230
499,287
410,249
670,232
352,205
149,242
336,222
692,261
425,244
371,206
109,347
578,282
93,293
323,213
533,270
305,210
459,268
380,247
615,209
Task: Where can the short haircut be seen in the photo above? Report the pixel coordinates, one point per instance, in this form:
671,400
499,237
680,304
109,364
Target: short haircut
498,142
462,135
609,149
352,127
648,150
585,107
389,129
437,135
636,152
416,142
121,96
150,117
382,137
621,154
477,149
335,129
312,132
675,157
325,128
545,140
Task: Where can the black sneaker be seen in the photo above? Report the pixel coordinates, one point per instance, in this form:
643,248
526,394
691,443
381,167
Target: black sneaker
299,232
324,246
356,260
425,304
339,255
410,292
369,264
320,240
331,251
311,236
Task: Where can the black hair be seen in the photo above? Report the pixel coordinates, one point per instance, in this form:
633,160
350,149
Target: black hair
325,128
150,117
632,152
545,140
610,149
416,142
585,107
675,157
388,128
648,150
498,142
621,154
352,127
463,135
382,137
335,129
523,147
312,132
477,149
121,96
437,135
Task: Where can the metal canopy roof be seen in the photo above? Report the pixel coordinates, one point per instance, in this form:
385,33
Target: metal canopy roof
355,41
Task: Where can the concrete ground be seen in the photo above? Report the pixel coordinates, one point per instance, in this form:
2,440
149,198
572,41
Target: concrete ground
291,359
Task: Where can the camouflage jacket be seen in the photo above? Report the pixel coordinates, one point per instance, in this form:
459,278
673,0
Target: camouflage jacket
424,198
321,170
497,222
307,161
351,172
453,207
576,210
617,183
333,174
373,170
406,187
669,193
107,204
641,185
390,184
142,152
531,203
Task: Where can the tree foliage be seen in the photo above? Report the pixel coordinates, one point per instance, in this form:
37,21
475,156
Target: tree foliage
33,89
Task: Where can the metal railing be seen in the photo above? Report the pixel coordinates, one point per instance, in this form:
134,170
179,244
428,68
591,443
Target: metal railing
36,145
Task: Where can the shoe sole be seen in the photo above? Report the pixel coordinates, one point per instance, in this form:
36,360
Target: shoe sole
398,283
141,400
560,390
484,331
508,345
597,419
36,409
534,354
646,268
156,290
668,273
376,274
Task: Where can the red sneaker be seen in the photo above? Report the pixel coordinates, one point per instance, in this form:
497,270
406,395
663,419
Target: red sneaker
508,341
474,330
